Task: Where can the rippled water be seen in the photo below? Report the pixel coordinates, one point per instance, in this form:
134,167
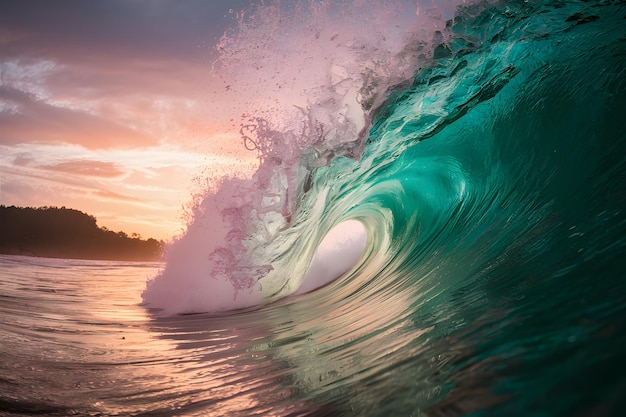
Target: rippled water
492,188
75,341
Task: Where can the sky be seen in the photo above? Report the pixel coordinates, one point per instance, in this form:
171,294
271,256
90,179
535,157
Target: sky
113,108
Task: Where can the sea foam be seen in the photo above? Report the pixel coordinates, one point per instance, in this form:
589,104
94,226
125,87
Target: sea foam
307,76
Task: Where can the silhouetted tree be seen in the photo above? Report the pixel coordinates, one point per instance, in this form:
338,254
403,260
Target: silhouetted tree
67,233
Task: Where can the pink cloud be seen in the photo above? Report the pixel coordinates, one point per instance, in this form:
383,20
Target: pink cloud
90,189
86,168
35,121
110,195
23,160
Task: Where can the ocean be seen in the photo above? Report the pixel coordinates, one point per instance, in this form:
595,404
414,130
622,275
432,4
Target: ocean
436,229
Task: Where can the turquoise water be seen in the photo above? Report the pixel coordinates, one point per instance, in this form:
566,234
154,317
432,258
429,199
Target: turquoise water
492,187
499,175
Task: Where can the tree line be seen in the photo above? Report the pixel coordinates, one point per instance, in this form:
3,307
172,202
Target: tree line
67,233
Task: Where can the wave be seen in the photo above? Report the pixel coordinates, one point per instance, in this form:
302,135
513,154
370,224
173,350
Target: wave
472,142
450,245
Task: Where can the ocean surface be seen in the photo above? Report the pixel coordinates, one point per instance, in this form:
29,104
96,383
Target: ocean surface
482,153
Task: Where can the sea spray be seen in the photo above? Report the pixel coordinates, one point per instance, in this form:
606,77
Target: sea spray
308,76
492,189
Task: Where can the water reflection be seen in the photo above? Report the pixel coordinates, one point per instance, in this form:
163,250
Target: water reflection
77,341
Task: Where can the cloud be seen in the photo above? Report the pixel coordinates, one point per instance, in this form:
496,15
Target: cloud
115,28
110,106
15,191
86,168
89,187
110,195
51,177
108,75
34,121
23,159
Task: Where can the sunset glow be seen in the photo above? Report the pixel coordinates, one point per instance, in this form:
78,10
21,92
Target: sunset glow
113,109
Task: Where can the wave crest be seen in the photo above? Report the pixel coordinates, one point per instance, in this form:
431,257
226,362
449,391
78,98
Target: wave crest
309,75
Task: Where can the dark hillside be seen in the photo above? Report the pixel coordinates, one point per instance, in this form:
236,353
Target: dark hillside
67,233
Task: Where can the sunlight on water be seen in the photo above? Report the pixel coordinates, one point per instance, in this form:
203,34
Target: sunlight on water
481,272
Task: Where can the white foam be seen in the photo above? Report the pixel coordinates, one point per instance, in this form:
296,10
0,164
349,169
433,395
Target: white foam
340,250
305,76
